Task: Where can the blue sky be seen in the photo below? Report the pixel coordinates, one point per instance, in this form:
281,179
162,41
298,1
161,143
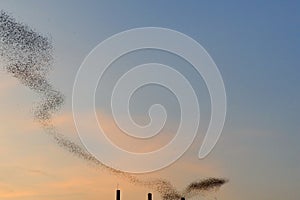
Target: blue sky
256,46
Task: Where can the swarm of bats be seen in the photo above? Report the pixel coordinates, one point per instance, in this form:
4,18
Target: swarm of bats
28,56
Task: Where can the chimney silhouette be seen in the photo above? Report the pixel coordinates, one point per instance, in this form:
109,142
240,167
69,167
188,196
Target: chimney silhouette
118,195
182,198
149,196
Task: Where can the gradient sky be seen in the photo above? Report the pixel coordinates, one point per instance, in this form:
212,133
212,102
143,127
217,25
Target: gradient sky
256,46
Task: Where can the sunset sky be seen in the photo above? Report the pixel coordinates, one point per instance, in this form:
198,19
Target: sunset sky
256,47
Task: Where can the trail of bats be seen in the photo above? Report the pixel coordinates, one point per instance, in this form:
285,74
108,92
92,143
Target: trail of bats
28,57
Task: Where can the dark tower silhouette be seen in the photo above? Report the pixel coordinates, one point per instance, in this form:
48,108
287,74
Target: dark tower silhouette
118,195
149,196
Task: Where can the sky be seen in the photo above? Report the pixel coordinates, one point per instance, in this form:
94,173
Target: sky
256,47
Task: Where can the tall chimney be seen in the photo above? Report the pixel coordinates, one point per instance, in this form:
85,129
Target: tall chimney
149,196
118,195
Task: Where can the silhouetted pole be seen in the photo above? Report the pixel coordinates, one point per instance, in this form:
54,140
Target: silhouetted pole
118,195
149,196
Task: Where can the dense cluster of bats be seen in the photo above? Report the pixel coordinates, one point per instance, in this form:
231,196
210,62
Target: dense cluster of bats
28,56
